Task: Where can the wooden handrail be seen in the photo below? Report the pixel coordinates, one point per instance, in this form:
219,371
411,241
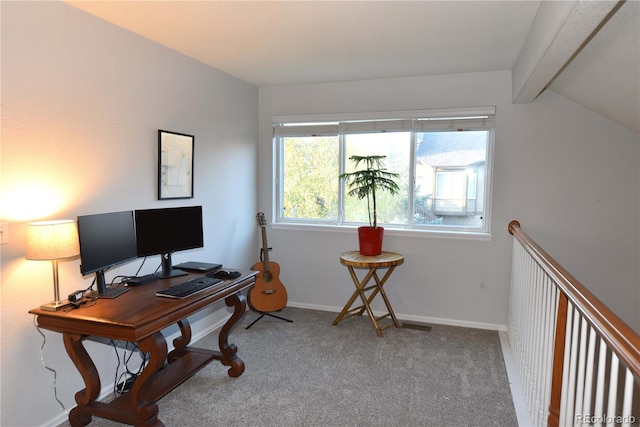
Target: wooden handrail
613,330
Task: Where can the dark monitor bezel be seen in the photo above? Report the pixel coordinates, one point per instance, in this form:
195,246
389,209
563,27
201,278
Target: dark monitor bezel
124,252
152,223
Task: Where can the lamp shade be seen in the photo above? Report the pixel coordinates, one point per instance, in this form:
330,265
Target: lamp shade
51,240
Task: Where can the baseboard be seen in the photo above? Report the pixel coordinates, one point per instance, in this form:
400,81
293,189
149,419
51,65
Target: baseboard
517,393
413,318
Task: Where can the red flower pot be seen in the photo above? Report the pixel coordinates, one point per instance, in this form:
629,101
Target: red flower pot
370,240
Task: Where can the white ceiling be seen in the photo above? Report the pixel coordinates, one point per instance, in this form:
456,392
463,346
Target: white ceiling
272,43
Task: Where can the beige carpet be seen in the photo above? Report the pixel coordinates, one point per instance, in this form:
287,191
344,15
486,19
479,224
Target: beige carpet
310,373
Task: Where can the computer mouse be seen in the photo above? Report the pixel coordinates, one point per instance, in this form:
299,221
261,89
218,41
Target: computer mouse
224,274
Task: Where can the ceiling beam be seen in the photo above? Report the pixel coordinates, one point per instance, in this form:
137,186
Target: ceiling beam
559,30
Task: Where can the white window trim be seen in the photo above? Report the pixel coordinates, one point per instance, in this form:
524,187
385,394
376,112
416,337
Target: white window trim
415,230
383,115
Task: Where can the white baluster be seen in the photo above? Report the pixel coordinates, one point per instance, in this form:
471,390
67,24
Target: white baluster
628,399
600,384
579,395
613,387
588,381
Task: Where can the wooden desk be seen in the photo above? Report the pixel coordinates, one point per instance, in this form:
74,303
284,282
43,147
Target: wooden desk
140,316
354,259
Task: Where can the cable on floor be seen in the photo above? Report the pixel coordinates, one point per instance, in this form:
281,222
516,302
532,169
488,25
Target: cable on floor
55,375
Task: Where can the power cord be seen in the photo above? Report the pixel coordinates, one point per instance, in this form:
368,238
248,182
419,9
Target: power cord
124,279
124,381
141,265
79,297
55,375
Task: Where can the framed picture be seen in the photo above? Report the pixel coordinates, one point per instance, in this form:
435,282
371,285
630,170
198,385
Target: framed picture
175,165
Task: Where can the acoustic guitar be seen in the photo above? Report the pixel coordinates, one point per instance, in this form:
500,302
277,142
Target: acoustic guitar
268,293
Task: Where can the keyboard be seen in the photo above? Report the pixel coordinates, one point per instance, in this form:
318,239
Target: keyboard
189,287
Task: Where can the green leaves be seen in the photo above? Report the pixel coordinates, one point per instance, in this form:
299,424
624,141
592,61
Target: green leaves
365,182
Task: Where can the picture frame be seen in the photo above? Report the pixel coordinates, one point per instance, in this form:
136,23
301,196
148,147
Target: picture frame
175,165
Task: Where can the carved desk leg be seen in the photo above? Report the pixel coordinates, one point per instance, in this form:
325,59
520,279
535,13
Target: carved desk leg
180,343
229,357
145,409
79,416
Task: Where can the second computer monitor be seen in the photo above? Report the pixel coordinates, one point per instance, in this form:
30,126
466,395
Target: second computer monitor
167,230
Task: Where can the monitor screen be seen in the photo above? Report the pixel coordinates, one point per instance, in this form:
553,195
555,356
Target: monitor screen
168,230
106,240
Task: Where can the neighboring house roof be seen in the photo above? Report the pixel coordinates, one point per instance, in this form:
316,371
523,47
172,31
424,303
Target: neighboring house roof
462,158
448,149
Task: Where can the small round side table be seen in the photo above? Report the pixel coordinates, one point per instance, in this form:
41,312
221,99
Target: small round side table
354,259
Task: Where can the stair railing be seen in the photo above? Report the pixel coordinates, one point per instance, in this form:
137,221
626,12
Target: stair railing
578,362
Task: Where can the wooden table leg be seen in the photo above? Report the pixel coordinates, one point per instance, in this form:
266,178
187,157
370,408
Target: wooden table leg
359,285
228,355
144,407
380,289
139,407
366,302
78,354
180,344
361,288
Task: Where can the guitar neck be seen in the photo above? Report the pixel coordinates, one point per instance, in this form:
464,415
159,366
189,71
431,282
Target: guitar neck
265,249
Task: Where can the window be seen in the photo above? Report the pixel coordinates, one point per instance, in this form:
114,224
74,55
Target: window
443,159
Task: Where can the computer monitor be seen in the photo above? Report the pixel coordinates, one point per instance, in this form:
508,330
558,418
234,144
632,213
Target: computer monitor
164,231
106,240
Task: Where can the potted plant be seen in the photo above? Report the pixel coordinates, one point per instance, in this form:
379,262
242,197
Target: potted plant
365,183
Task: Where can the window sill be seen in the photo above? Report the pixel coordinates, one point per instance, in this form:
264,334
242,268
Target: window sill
389,231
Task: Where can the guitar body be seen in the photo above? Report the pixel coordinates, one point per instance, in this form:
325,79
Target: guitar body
268,293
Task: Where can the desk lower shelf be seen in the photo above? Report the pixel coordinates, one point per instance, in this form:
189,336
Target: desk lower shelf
181,369
164,381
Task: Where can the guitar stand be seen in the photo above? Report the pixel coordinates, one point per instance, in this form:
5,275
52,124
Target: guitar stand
262,314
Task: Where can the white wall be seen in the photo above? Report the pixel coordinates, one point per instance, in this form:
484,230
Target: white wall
567,174
81,105
82,102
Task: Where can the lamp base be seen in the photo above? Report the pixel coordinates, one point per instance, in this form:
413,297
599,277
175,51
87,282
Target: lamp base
55,305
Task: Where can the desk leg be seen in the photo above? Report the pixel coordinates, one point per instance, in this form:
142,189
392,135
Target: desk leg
139,406
228,355
143,406
180,344
78,354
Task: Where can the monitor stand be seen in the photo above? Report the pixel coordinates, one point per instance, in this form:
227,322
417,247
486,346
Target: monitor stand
103,291
167,268
110,293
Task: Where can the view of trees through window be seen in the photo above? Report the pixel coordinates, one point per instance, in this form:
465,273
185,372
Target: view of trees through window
310,177
442,169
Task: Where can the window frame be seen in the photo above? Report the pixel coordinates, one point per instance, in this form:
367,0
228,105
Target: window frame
412,228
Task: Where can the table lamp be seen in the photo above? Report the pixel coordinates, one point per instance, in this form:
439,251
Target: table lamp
52,240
